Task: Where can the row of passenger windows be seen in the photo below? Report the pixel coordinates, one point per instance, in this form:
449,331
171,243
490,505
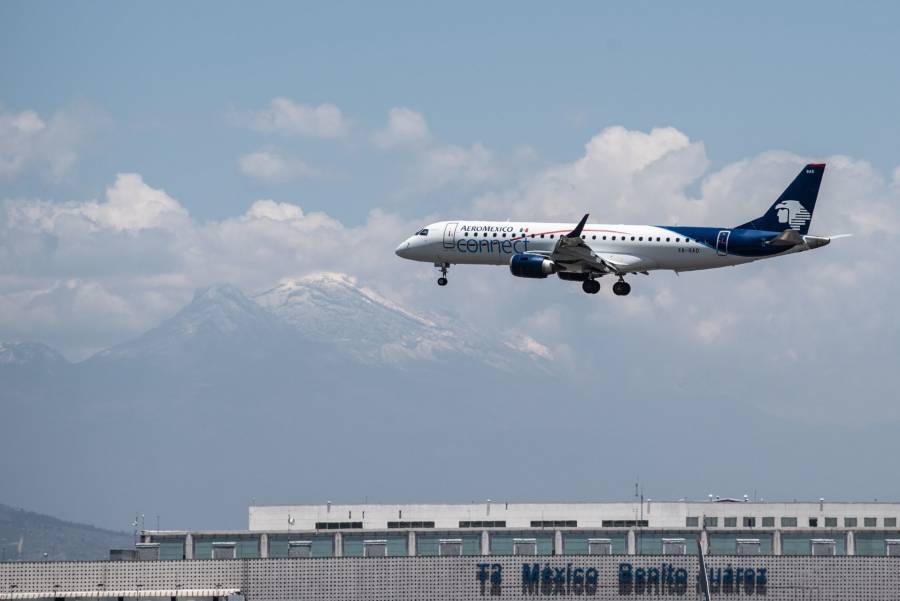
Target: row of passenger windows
790,522
593,237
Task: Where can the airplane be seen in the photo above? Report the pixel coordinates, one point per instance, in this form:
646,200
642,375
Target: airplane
586,252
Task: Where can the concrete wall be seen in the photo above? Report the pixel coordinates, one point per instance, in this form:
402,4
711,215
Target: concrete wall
468,578
588,515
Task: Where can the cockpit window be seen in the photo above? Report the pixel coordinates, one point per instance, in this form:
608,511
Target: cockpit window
422,232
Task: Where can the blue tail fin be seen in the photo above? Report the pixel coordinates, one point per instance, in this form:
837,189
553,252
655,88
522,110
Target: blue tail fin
794,208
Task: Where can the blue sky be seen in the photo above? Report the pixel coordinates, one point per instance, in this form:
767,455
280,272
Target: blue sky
811,78
151,149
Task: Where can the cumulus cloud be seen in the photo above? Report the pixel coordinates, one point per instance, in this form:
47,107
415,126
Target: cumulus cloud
139,255
286,117
405,127
272,166
136,255
48,144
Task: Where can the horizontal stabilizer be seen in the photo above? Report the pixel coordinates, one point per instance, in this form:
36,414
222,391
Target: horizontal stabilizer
786,238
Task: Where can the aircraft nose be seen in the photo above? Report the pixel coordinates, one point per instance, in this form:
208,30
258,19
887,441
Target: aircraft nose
402,250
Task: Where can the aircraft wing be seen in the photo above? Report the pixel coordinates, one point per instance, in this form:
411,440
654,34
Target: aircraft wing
573,254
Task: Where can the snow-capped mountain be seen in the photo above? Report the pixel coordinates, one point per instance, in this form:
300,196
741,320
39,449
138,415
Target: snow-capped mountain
217,317
29,353
333,308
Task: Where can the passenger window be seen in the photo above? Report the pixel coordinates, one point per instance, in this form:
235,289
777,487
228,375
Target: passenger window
668,239
677,239
542,235
467,233
504,235
632,238
641,239
657,238
551,235
495,234
582,236
604,237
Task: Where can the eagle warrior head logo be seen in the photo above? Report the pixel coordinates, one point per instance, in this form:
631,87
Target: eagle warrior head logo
792,213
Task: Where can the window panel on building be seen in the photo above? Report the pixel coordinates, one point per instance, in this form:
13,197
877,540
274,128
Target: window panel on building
729,543
731,522
524,546
849,522
710,522
374,548
831,522
674,546
223,550
788,522
890,522
749,522
813,522
504,543
892,547
171,549
579,542
799,543
692,522
822,546
768,522
870,522
300,548
599,546
748,546
429,544
147,551
450,547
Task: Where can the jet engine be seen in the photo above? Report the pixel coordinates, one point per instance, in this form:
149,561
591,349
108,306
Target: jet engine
531,266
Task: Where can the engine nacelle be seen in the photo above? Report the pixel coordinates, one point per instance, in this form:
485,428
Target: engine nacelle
531,266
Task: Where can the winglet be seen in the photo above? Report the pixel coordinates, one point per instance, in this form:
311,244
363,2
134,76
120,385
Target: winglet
576,233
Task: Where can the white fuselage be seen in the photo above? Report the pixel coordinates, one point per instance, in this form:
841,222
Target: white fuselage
496,242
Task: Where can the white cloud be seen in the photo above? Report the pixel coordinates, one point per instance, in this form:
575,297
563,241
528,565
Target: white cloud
286,117
49,145
273,167
405,127
445,164
80,275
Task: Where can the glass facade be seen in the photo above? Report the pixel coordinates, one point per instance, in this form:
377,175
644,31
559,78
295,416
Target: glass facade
576,543
396,544
797,543
726,543
874,543
320,545
502,542
651,543
429,544
244,547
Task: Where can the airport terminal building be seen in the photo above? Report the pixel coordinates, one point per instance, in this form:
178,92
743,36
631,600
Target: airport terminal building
629,550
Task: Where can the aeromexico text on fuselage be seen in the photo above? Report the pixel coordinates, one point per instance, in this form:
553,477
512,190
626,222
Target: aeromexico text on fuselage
505,239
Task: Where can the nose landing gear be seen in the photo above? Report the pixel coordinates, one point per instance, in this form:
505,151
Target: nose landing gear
591,286
442,281
621,288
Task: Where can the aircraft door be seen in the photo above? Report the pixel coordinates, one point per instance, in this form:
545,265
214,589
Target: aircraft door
722,243
450,235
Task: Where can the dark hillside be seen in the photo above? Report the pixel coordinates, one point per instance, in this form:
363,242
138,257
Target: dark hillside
26,536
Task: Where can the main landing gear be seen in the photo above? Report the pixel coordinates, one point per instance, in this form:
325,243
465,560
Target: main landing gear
590,286
621,288
442,281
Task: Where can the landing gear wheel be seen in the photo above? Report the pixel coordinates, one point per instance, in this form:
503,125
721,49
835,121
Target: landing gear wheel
591,286
442,281
621,288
